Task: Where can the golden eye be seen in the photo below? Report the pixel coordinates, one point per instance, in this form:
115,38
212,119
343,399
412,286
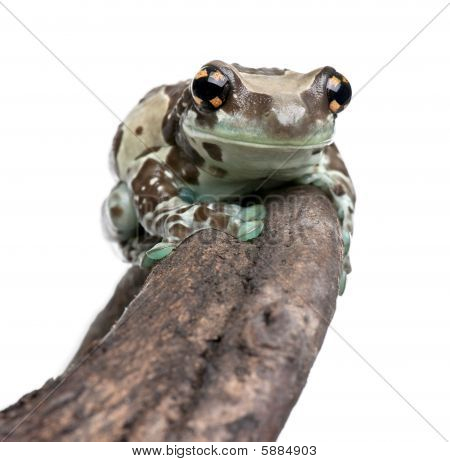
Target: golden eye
339,92
210,88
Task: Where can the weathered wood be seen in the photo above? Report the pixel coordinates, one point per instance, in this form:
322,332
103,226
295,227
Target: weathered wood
217,346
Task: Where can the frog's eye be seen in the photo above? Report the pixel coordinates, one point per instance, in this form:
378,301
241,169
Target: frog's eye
210,88
339,92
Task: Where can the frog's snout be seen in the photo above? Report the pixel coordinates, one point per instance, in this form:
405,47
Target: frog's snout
339,91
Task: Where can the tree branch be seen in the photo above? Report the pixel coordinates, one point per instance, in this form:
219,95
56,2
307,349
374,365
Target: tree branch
217,346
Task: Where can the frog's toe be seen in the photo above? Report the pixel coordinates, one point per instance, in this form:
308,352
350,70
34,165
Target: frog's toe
346,237
250,229
145,262
157,252
342,282
253,212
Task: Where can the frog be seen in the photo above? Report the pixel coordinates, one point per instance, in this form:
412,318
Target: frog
187,150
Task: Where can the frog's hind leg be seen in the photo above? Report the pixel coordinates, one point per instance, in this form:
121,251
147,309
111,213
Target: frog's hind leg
165,211
331,175
120,221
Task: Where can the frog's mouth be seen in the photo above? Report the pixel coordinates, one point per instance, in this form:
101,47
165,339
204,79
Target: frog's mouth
204,136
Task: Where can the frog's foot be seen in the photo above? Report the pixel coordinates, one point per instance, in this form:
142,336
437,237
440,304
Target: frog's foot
250,230
346,265
157,252
177,224
244,223
251,222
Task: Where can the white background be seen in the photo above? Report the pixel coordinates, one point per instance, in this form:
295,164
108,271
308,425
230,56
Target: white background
57,271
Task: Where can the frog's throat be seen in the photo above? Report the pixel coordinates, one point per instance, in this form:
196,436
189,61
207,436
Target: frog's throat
206,136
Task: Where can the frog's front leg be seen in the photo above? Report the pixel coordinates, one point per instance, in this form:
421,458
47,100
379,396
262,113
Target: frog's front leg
165,210
331,175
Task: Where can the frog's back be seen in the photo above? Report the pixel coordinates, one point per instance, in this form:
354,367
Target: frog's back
142,129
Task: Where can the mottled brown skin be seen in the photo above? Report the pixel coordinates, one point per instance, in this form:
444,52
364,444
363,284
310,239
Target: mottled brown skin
184,167
148,196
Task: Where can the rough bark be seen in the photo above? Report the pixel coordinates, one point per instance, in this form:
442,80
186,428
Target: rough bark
217,345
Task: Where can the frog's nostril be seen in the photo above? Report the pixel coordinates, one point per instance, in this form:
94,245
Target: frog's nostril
339,92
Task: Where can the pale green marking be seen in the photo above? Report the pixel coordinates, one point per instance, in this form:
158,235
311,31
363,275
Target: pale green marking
342,282
250,230
346,237
160,250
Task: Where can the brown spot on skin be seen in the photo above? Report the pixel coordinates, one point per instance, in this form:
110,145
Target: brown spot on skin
213,151
173,218
159,221
190,173
188,151
219,221
139,130
147,196
180,231
197,159
202,213
182,165
116,211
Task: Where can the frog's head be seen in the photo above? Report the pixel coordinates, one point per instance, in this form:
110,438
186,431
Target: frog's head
269,112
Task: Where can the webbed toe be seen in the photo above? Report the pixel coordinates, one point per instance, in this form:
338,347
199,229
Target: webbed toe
250,229
342,282
157,252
